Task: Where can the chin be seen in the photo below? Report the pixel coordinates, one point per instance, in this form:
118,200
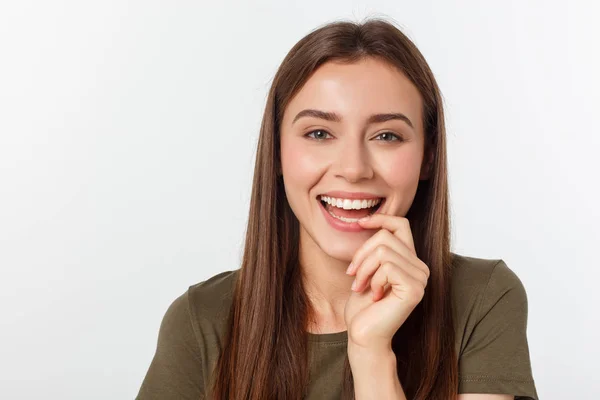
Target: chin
342,250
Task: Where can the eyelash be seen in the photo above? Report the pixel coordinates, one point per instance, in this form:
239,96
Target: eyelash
398,138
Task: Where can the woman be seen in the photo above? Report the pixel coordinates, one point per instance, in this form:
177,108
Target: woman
350,183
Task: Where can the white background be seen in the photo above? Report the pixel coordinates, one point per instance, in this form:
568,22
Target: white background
127,140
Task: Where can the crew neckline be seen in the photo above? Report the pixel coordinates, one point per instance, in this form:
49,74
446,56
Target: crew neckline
335,337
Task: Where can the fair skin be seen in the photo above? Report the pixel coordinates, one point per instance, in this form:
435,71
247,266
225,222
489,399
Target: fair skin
351,152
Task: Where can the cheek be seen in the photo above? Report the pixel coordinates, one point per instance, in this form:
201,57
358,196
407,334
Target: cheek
300,167
301,171
402,170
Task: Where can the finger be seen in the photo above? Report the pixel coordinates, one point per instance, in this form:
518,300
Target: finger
379,282
385,237
380,255
399,226
380,237
370,264
401,247
401,283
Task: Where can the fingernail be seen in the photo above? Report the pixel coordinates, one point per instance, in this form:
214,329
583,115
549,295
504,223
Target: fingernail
353,285
349,268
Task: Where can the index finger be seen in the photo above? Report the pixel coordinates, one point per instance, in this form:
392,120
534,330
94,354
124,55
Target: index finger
398,226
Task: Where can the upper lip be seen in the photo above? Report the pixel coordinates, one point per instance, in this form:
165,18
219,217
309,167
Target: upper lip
338,194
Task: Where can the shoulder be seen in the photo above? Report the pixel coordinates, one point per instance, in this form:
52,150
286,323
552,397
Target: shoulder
480,286
490,317
189,340
209,297
203,305
481,277
209,303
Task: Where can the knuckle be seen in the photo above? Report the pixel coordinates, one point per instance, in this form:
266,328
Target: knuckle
406,222
426,269
380,251
387,267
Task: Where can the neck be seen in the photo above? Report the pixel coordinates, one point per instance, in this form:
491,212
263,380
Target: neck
326,283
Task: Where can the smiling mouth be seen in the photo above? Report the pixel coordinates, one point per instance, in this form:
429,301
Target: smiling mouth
350,211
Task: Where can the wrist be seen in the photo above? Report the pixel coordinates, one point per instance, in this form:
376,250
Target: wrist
361,359
376,361
375,374
371,354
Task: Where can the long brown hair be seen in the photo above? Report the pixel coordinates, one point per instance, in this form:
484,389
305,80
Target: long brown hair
265,351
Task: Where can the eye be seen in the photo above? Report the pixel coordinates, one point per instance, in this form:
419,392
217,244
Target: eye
388,137
322,135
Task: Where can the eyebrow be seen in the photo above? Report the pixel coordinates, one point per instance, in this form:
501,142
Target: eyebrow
331,116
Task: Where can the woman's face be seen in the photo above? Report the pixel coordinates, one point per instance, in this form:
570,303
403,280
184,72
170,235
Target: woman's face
363,140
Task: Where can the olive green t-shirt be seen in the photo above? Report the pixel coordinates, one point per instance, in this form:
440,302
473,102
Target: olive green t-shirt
490,317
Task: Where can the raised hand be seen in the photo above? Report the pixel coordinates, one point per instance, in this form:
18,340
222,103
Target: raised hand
386,263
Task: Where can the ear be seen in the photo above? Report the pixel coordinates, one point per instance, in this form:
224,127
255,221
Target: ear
427,166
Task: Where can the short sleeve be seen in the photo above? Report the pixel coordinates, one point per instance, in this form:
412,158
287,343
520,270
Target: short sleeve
496,356
176,369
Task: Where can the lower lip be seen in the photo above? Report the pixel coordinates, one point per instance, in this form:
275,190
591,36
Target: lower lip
341,225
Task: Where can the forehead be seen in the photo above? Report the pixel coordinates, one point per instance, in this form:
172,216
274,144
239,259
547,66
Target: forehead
358,90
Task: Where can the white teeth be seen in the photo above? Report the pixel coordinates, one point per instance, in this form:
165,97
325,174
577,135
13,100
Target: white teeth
348,204
349,220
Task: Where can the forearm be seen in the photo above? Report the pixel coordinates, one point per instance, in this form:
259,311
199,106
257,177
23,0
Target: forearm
375,374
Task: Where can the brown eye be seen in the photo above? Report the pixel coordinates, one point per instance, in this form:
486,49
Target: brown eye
388,137
320,134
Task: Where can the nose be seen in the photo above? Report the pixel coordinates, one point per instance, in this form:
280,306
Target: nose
353,161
